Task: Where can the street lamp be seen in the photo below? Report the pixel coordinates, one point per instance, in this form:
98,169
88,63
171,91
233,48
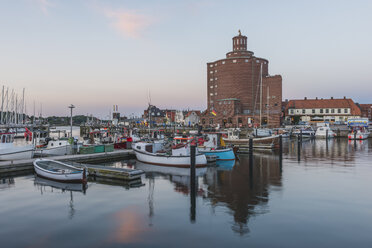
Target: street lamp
71,107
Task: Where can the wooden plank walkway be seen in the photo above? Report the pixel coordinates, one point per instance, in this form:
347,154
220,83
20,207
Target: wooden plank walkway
111,172
22,165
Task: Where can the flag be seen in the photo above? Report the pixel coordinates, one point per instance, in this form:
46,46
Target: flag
213,112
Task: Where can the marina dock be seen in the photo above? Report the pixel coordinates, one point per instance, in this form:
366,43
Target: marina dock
24,165
111,173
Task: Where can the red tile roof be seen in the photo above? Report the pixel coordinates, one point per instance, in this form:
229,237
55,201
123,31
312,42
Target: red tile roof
197,112
324,103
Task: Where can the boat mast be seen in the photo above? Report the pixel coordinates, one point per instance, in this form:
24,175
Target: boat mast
268,101
2,106
23,106
261,95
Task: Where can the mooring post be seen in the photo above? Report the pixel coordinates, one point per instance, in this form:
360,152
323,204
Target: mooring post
299,147
355,134
338,133
192,183
280,151
250,146
301,135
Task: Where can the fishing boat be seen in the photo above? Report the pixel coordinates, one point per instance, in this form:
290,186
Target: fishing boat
358,128
324,132
59,171
233,138
157,153
11,151
57,147
213,145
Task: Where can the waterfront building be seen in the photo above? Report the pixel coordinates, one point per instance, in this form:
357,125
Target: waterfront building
366,111
179,117
156,115
192,117
319,110
235,95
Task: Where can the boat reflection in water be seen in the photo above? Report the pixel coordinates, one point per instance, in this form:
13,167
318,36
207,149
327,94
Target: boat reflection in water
244,189
45,185
328,151
179,176
225,164
6,182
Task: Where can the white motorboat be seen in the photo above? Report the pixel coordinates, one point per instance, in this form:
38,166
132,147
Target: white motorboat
10,151
306,131
358,134
324,132
178,156
262,132
59,171
358,128
55,148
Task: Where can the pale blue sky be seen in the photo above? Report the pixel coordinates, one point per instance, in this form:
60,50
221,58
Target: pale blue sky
98,53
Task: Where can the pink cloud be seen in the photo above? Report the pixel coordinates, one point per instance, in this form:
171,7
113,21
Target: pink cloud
128,23
44,5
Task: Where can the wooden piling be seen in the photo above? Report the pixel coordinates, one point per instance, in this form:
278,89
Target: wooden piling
192,183
250,145
299,147
280,151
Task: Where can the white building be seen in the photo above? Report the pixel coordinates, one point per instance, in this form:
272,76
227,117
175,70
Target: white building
314,110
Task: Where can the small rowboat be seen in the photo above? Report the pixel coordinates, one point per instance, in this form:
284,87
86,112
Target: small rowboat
59,171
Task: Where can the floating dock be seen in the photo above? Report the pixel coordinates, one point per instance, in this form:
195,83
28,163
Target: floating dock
24,165
111,172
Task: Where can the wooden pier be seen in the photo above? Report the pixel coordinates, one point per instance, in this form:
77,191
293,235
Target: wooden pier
111,173
24,165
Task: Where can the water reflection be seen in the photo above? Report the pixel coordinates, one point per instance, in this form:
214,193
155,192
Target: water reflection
330,150
6,182
45,185
179,177
245,188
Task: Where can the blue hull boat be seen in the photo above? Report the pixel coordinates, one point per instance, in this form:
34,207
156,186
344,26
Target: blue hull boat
221,154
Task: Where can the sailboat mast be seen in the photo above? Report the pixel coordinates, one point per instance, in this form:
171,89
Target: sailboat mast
268,104
2,106
261,95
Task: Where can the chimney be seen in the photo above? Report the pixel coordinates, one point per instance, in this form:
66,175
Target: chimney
316,98
344,97
305,98
331,97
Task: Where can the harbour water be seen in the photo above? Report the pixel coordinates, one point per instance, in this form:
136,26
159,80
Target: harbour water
322,200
